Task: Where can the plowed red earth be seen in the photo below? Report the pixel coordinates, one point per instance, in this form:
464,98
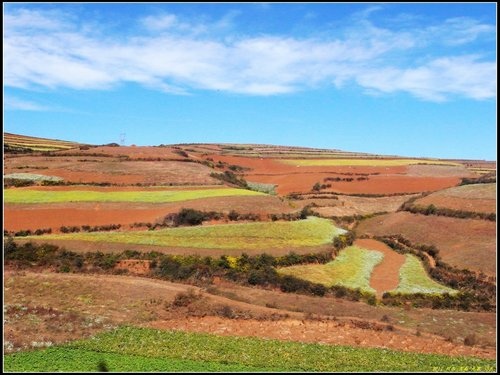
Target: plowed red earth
23,217
381,180
385,275
463,243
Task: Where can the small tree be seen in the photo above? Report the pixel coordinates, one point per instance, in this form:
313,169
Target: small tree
317,186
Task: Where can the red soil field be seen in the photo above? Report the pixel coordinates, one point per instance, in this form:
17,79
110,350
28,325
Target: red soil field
463,243
385,275
23,217
380,184
102,169
381,180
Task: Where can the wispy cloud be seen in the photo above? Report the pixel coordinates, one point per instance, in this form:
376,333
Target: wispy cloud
13,103
177,56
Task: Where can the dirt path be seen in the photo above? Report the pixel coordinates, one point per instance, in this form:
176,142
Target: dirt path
385,275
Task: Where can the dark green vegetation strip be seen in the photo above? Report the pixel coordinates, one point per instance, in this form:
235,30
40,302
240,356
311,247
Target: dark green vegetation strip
130,348
71,360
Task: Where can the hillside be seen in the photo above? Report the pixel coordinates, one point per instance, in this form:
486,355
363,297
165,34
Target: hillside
278,242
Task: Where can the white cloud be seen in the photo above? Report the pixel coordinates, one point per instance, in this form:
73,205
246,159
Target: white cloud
13,103
176,62
437,79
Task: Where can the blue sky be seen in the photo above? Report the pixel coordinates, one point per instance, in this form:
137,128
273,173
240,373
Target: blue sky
406,79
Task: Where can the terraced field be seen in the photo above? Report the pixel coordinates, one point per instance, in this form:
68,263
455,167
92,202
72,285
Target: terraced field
36,143
462,243
472,198
352,268
414,279
261,235
363,162
141,349
29,196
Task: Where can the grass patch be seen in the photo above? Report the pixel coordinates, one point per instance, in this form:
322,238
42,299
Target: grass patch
352,268
414,279
51,196
31,177
364,162
143,349
263,188
261,235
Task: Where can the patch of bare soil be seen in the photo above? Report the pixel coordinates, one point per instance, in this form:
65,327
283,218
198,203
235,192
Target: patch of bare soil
385,275
439,171
350,205
86,304
463,243
473,198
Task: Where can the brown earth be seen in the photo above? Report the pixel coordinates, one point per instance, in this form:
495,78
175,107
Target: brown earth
86,304
385,275
463,243
351,205
105,169
473,198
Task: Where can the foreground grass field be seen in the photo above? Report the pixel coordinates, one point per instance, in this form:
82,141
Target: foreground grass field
142,349
414,279
363,162
21,196
261,235
352,268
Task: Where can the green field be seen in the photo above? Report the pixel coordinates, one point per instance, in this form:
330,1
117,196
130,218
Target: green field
352,268
261,235
155,196
362,162
143,349
414,279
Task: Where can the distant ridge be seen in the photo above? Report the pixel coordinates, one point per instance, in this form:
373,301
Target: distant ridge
16,143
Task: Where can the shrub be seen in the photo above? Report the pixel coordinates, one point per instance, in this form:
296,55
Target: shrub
470,340
189,216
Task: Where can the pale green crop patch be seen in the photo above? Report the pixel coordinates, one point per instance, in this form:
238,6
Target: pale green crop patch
261,235
414,279
20,196
352,268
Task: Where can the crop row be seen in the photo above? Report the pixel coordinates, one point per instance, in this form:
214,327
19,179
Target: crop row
47,196
310,232
136,349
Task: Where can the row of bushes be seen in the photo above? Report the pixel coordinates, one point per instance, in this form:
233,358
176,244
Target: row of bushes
248,270
461,214
88,228
231,178
486,179
477,290
27,232
346,179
